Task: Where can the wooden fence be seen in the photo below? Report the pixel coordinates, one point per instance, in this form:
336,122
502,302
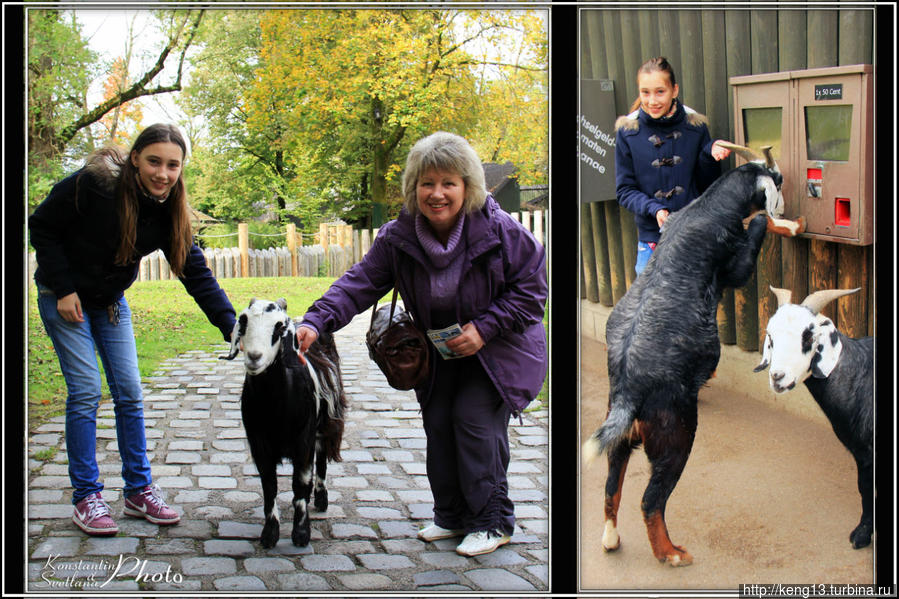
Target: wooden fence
706,47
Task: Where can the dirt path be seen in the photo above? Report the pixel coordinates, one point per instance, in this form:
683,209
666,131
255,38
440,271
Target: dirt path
766,497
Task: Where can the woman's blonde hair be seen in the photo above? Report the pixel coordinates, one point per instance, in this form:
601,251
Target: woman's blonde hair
448,152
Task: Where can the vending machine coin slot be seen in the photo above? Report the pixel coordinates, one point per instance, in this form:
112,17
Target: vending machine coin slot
815,181
842,212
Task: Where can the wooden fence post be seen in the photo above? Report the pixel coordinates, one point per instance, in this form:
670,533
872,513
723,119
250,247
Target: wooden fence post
538,226
348,241
243,240
526,220
364,242
292,247
323,237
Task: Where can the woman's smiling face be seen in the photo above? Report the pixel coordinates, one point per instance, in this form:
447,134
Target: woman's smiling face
656,93
440,196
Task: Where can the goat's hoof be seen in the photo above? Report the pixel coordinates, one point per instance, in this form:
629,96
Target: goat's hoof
861,536
300,538
611,541
321,500
679,557
269,540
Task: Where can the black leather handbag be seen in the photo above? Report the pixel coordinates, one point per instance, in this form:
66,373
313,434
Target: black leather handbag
397,346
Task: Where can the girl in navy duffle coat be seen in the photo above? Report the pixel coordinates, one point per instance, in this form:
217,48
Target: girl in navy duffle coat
664,155
456,257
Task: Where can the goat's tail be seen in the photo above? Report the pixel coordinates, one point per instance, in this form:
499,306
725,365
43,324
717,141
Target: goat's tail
612,432
330,394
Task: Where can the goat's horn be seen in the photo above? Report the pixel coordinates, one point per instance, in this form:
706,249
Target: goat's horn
817,300
783,295
743,151
769,158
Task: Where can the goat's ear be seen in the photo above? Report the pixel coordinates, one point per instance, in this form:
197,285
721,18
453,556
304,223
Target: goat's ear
766,355
252,301
827,350
240,327
282,303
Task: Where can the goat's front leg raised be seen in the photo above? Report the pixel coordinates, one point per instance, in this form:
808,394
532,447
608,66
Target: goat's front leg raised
739,268
861,536
302,489
271,530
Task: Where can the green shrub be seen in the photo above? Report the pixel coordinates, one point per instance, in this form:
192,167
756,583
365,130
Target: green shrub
262,236
211,236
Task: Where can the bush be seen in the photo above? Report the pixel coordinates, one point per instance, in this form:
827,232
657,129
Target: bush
262,236
210,237
267,235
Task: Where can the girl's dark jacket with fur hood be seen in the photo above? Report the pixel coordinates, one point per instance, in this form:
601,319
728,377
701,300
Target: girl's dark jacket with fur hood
75,234
661,164
502,290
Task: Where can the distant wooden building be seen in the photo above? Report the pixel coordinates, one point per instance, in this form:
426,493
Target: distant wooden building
502,183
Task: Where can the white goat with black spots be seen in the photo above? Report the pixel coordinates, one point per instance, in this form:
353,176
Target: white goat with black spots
802,345
289,411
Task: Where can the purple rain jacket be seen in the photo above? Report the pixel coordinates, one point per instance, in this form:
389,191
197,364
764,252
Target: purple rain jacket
502,290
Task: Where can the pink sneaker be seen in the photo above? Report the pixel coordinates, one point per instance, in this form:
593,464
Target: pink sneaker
149,504
92,516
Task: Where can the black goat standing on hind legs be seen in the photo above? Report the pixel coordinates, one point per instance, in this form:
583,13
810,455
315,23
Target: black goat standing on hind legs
289,411
662,339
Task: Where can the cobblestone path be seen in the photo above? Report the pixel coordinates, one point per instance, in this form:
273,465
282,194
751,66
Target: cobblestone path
365,541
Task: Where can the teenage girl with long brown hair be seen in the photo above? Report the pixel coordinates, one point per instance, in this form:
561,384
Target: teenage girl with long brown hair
664,155
89,235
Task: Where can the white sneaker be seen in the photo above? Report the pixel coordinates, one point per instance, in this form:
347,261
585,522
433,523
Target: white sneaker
481,542
435,533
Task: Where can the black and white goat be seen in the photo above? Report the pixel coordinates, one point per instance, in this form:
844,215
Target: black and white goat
289,410
802,345
662,340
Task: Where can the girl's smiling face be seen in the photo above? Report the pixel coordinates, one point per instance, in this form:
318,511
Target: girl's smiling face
656,93
158,166
440,195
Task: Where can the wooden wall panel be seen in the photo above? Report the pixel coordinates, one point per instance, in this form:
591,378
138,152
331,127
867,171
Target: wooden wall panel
601,248
691,73
616,257
822,31
852,272
588,256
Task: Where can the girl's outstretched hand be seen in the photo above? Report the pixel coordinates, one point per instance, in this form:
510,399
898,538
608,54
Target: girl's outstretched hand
719,152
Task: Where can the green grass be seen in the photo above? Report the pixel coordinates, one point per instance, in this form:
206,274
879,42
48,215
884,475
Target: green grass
166,322
45,455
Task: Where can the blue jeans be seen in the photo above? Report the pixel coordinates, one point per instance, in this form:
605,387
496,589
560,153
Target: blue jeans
644,253
76,345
